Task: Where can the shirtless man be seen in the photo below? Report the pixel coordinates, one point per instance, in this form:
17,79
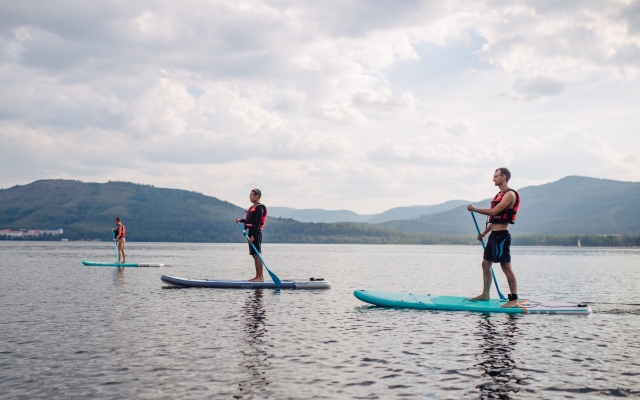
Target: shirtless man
504,208
254,220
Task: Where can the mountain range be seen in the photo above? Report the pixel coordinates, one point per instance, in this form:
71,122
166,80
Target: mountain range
574,205
87,211
571,206
327,216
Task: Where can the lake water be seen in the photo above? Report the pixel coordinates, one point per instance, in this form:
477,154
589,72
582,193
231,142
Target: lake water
69,331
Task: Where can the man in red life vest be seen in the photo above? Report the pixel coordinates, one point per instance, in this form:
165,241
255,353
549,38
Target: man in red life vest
504,208
254,220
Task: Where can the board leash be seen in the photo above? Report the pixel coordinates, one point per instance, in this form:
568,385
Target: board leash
492,273
275,278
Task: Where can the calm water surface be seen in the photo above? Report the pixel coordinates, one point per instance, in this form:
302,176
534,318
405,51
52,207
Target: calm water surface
69,331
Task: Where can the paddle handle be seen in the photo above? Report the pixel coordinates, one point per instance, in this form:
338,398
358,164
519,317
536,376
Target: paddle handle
477,228
275,278
492,273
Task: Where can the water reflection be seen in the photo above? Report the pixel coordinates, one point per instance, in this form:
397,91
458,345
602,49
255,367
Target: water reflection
498,340
255,358
118,277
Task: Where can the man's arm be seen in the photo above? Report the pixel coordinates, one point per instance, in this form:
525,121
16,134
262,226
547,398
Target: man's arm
508,198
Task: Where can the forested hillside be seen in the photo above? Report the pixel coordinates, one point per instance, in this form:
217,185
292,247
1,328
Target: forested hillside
557,213
87,211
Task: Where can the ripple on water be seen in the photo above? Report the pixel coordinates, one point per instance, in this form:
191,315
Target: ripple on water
70,331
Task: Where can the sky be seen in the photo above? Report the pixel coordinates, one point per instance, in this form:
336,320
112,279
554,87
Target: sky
359,105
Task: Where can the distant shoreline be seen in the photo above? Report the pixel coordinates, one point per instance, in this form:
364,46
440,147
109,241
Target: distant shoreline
614,241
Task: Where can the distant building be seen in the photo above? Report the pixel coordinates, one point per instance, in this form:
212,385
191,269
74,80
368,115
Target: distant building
9,232
58,231
31,232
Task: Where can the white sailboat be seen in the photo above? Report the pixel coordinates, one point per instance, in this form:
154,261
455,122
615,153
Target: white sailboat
579,245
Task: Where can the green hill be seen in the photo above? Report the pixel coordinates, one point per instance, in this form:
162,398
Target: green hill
87,211
557,213
573,205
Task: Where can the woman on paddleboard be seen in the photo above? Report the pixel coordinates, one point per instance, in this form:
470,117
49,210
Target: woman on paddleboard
120,240
254,219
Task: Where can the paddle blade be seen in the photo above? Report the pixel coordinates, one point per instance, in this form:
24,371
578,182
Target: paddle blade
276,280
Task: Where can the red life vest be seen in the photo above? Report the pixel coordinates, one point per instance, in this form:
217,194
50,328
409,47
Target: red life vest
248,217
508,214
122,231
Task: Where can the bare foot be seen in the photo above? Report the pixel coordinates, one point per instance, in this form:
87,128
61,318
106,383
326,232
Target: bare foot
510,304
256,279
482,297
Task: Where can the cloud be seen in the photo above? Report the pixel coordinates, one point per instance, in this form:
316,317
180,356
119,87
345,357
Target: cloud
383,100
437,154
335,99
538,87
463,127
343,113
458,128
569,151
542,38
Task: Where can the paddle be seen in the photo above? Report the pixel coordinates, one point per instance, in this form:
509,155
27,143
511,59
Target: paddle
275,278
113,235
492,273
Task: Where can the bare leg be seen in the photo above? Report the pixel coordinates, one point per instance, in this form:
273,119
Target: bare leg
121,253
513,284
259,269
486,279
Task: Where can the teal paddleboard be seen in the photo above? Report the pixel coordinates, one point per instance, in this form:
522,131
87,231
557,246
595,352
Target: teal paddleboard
455,303
104,264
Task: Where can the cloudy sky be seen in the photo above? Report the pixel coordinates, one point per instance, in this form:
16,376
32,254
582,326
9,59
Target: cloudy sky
361,105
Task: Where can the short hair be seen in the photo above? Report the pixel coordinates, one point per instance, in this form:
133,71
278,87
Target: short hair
257,192
505,171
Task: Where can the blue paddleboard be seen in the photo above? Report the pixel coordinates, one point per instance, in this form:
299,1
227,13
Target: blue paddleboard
111,264
456,303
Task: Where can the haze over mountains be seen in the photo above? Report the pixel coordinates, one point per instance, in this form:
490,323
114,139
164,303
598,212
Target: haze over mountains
398,213
570,206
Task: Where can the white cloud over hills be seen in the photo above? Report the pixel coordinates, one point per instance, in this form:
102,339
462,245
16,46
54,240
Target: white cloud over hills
360,105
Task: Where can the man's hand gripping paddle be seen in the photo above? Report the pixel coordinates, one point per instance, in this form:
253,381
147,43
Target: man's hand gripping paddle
113,235
275,278
492,274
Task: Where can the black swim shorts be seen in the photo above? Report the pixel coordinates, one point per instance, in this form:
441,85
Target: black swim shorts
498,248
257,241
